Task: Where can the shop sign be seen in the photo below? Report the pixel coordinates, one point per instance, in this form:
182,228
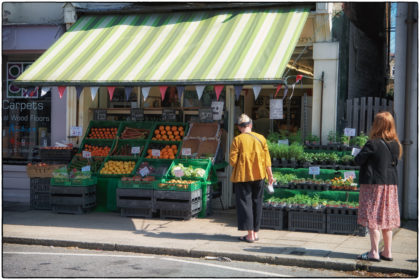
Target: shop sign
168,115
99,115
135,150
349,131
14,69
217,108
205,114
76,131
276,109
314,170
137,114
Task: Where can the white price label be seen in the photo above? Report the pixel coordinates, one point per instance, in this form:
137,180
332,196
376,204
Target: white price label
186,151
155,153
348,174
314,170
135,150
76,131
144,171
349,131
179,173
45,143
355,151
86,168
86,154
284,142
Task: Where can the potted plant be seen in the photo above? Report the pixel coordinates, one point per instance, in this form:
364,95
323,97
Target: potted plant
332,137
359,141
347,160
283,151
295,152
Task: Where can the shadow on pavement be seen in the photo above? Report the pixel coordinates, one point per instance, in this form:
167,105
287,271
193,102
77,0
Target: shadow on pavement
188,236
299,251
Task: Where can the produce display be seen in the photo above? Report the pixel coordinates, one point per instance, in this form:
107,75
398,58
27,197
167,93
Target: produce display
79,162
155,170
138,179
118,167
187,171
134,133
168,133
180,184
57,148
97,151
103,133
165,151
126,150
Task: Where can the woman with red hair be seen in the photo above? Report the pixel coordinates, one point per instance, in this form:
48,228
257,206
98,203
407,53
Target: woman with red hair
378,178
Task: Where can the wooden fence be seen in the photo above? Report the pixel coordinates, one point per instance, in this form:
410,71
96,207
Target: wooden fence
361,111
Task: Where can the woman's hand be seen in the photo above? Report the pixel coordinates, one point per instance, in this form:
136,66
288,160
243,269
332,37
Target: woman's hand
271,180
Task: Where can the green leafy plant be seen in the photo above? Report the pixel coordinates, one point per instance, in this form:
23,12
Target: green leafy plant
344,140
295,151
360,140
273,137
332,137
347,159
312,138
283,151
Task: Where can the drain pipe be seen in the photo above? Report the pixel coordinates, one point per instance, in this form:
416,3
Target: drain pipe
407,101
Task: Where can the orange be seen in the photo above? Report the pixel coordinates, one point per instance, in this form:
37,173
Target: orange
171,137
177,138
149,151
172,157
158,136
174,128
157,131
180,128
161,127
181,133
163,132
167,128
176,133
169,132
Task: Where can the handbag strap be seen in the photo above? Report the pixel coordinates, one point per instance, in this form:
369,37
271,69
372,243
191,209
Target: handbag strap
394,162
255,137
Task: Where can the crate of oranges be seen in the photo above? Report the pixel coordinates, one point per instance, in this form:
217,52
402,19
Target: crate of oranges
169,132
96,148
168,150
102,130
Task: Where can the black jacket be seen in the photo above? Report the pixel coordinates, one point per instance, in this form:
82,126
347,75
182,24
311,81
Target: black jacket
376,162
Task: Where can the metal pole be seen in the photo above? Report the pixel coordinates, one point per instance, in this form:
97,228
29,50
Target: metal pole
320,117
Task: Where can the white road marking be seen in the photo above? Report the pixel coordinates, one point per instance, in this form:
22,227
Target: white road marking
150,257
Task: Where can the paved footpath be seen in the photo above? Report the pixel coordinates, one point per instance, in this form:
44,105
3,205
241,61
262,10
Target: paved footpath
215,235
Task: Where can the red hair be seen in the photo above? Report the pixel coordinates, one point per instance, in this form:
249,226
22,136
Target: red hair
384,127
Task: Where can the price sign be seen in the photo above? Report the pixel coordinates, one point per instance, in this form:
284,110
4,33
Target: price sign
86,154
137,114
205,114
76,131
178,173
144,171
155,153
217,108
355,151
186,151
45,143
86,168
284,142
168,115
349,131
276,109
99,115
348,174
314,170
135,150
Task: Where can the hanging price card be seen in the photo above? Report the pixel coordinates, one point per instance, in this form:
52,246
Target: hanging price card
135,150
155,153
86,168
314,170
144,171
349,131
186,151
86,154
178,173
348,174
76,131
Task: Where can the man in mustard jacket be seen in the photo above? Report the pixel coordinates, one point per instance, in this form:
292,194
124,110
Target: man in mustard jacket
251,164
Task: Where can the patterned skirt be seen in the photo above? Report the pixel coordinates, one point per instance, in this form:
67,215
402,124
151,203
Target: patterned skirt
378,207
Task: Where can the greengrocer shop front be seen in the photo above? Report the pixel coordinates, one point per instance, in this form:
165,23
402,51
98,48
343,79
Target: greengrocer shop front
151,91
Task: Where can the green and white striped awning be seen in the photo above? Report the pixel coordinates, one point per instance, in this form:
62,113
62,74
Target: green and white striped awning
208,47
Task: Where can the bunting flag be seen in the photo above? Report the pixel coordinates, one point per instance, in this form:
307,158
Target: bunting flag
61,90
238,90
45,90
293,90
199,90
33,92
180,90
79,91
145,91
286,89
278,89
111,92
218,89
298,78
162,91
93,92
127,91
257,89
26,91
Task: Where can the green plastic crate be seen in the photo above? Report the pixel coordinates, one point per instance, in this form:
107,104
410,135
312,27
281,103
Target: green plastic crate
102,124
184,125
164,185
145,125
195,163
160,167
94,162
131,143
147,185
96,142
118,158
83,182
60,182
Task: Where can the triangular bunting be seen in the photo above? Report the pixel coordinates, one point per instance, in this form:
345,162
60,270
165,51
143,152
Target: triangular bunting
79,91
238,89
45,90
127,91
93,92
180,90
199,90
257,89
298,78
218,89
111,92
278,89
145,91
293,90
61,90
286,89
33,92
162,91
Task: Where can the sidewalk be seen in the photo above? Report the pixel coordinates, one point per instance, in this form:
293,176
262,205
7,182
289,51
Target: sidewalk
212,236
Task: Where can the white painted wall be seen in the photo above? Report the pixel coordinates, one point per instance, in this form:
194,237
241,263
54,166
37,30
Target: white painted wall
33,12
